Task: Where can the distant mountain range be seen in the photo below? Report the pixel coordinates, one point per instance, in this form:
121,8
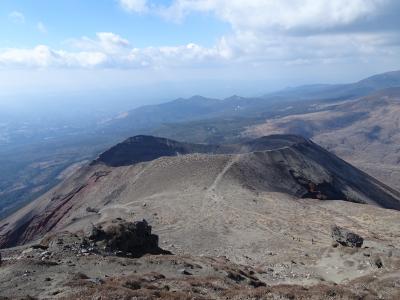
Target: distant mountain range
351,90
198,107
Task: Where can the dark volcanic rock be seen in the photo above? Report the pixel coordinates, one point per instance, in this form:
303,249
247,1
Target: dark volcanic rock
378,262
122,237
146,148
143,148
346,237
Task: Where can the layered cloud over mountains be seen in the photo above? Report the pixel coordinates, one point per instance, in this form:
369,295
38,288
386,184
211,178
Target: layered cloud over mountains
289,32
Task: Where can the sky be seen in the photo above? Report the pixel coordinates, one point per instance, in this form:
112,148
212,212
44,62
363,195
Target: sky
157,49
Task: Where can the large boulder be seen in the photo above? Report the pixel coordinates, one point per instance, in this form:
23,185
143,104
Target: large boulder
346,237
120,236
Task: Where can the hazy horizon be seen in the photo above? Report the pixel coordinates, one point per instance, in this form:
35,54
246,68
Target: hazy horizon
141,52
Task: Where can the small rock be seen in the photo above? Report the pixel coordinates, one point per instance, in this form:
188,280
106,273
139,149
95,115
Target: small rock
96,281
346,237
256,283
185,272
235,276
132,284
26,251
91,210
80,275
378,262
45,253
39,246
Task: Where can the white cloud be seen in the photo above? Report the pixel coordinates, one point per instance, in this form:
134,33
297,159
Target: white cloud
43,57
105,41
39,56
112,51
190,55
111,42
295,32
41,27
134,6
17,17
292,30
109,50
278,14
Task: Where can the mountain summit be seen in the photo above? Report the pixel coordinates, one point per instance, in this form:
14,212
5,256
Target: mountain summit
187,177
143,148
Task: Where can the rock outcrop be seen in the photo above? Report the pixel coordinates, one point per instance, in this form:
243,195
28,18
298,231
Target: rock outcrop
123,238
346,237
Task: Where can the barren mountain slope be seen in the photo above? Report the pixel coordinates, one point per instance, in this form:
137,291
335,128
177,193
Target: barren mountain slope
364,132
253,206
188,195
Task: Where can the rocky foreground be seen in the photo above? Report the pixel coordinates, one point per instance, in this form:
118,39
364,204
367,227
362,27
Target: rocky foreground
114,261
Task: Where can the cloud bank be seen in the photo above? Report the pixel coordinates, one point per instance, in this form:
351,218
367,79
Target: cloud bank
291,32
